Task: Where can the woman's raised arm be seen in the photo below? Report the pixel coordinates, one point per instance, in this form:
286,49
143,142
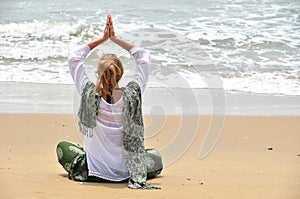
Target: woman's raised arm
101,40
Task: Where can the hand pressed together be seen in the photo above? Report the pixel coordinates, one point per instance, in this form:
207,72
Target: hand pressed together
109,33
110,27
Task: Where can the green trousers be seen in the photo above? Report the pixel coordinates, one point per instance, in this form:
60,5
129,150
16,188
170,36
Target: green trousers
73,159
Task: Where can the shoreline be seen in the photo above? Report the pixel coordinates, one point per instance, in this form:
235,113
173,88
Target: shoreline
19,97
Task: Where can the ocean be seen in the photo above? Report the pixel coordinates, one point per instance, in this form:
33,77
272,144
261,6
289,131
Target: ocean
240,46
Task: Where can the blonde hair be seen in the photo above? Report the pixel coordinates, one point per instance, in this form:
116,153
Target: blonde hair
109,70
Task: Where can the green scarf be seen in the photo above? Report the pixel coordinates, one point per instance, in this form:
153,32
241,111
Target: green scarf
133,135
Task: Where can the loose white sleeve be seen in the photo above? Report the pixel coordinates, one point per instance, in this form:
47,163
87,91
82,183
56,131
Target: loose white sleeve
76,58
143,66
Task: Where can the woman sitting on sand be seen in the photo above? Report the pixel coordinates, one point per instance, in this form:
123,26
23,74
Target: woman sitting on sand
111,120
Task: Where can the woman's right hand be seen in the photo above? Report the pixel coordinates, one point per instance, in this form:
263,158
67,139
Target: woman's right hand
110,27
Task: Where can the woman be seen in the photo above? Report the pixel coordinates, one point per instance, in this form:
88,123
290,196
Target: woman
111,120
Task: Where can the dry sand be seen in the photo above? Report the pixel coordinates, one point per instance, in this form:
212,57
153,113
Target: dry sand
255,157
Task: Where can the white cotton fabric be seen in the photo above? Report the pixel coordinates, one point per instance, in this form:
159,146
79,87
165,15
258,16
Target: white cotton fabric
104,149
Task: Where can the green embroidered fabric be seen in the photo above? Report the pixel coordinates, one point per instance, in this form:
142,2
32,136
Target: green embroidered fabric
88,109
78,168
73,158
133,136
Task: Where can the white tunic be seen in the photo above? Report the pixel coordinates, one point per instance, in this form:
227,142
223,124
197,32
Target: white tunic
104,149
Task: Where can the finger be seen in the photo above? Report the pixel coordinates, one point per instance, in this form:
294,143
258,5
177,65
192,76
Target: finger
111,26
107,20
110,20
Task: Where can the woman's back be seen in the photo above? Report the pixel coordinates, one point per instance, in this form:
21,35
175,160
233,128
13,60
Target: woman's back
105,148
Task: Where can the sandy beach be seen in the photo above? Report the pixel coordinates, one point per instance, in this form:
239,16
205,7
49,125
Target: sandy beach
218,68
255,157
